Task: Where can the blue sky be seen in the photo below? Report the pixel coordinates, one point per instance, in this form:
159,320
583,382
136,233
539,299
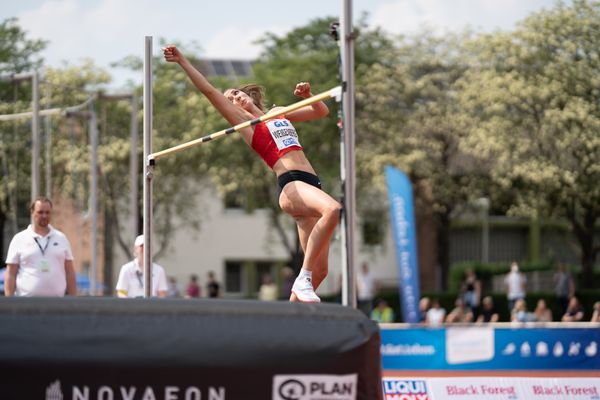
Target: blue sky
108,30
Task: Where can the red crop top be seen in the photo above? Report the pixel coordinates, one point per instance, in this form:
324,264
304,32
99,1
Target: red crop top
274,138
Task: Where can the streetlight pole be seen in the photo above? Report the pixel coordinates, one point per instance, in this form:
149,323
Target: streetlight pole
35,136
94,196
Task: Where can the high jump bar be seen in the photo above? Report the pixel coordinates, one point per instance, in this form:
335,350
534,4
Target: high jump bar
335,92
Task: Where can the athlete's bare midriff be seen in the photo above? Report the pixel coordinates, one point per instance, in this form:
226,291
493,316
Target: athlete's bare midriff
294,160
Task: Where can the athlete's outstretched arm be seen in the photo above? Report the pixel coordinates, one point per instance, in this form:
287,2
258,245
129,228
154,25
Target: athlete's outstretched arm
233,114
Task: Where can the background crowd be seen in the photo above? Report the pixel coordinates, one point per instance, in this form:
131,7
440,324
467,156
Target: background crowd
472,305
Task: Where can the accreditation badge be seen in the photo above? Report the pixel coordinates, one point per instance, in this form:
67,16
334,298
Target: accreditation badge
44,265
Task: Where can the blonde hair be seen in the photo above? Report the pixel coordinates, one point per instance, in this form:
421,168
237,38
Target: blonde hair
256,93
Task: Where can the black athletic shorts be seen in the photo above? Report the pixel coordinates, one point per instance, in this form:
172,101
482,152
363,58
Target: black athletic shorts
295,175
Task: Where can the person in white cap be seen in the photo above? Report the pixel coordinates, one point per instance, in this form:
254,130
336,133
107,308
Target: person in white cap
131,277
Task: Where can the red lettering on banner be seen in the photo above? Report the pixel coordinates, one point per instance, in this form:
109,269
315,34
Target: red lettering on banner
461,390
547,391
585,391
406,397
498,390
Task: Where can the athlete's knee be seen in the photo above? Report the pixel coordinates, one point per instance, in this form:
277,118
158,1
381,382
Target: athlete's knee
286,205
332,212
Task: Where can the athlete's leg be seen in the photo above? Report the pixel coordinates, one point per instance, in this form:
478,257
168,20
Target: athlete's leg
304,226
307,203
320,270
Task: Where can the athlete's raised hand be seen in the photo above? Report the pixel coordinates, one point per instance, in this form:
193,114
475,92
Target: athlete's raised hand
303,90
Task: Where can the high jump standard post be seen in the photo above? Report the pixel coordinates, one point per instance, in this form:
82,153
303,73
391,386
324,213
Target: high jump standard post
347,159
148,168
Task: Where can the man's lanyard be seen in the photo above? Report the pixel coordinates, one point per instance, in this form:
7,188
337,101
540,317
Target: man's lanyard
42,249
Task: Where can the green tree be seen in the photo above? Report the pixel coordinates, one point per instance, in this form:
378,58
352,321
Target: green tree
533,99
408,117
18,53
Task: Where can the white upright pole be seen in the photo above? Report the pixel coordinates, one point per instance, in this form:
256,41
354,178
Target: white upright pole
348,174
93,206
148,168
133,165
48,142
48,136
35,136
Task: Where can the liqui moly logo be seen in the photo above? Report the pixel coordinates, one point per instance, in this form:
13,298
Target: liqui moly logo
405,389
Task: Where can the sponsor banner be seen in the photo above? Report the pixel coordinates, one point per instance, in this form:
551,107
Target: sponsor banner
491,388
475,388
490,348
57,391
314,387
403,222
561,388
405,389
511,388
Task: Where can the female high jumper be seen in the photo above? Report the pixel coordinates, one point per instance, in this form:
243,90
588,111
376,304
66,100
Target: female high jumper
276,142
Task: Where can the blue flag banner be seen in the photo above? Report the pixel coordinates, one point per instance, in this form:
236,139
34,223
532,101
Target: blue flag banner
405,239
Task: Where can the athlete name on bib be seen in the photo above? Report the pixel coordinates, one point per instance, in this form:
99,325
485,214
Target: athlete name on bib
283,133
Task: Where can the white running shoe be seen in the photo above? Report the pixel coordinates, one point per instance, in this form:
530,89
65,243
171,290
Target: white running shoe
303,289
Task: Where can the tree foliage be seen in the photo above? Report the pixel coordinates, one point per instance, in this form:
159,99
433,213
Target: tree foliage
18,53
532,100
408,117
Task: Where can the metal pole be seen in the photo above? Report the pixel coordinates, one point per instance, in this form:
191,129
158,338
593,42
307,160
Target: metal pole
133,165
148,167
48,143
349,214
93,206
35,136
48,128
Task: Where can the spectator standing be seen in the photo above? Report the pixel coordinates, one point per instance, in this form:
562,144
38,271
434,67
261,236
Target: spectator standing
596,312
424,305
574,311
564,287
365,285
542,312
383,313
173,288
192,290
130,283
515,283
268,289
488,311
213,288
39,261
436,314
471,289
